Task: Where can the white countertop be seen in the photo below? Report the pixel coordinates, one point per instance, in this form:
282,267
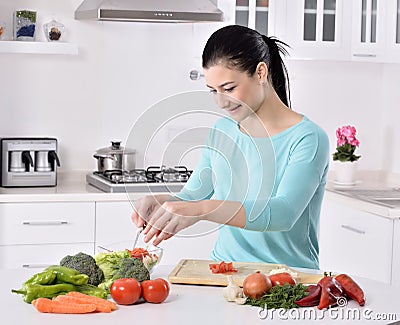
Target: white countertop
197,305
369,180
71,186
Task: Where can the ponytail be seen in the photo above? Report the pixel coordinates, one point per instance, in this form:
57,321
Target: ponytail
243,48
277,71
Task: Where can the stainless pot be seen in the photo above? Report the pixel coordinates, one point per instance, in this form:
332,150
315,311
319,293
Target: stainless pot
115,157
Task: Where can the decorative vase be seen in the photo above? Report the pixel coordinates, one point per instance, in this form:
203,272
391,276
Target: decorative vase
346,172
53,30
25,25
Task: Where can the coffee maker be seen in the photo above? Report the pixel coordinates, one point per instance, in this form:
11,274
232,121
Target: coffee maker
27,162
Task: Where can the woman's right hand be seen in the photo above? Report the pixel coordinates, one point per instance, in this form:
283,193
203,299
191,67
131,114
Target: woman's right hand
145,206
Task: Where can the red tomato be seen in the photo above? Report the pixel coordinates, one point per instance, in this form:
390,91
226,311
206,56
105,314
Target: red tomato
126,291
280,279
155,291
222,267
139,253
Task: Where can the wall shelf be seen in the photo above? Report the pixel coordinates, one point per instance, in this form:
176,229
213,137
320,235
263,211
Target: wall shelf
38,47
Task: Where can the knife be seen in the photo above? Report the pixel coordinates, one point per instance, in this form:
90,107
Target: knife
138,231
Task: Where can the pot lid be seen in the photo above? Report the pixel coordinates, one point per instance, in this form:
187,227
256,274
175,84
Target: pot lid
115,148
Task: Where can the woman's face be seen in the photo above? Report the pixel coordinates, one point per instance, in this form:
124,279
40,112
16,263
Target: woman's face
235,91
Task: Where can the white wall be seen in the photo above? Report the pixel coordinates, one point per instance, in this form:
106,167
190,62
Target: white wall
124,68
341,93
87,100
389,107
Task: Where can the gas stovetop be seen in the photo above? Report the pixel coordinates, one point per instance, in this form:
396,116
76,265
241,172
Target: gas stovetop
152,179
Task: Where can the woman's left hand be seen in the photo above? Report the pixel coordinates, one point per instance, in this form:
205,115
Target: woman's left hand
170,218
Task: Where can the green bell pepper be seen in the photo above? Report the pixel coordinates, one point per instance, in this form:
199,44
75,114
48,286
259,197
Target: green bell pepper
45,277
92,290
68,275
34,291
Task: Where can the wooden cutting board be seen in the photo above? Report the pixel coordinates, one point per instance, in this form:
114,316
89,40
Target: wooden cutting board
198,272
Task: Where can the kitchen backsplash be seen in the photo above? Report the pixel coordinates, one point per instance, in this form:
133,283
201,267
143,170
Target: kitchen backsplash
124,68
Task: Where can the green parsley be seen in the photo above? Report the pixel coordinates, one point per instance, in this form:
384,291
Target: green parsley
280,297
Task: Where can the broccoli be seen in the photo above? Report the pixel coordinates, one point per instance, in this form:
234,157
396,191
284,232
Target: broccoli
84,264
132,268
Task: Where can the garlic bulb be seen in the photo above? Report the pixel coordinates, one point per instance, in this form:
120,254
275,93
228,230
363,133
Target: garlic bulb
240,300
232,291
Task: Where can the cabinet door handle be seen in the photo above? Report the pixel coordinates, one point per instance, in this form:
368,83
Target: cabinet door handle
362,55
35,266
45,223
358,231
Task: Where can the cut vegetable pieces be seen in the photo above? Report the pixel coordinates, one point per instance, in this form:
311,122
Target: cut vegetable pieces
222,267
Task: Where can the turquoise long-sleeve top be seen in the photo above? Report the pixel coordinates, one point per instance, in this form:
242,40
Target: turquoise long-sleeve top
280,181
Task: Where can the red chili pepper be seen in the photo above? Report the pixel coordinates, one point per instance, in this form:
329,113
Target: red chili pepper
331,291
313,297
351,288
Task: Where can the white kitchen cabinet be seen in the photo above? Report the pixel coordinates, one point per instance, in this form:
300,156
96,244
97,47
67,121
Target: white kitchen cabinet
255,14
396,254
317,29
115,231
358,30
114,227
35,234
392,49
39,256
376,31
369,30
46,223
355,242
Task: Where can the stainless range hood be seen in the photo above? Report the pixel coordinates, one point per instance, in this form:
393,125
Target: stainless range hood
149,10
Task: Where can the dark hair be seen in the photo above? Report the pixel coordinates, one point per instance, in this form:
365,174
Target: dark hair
244,48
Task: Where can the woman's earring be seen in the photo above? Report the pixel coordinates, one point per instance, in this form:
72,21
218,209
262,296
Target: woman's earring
262,83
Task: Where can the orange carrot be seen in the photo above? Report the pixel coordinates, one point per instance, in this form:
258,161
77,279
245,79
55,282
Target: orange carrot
45,305
100,306
93,299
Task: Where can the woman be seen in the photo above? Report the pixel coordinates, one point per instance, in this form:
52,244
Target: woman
267,188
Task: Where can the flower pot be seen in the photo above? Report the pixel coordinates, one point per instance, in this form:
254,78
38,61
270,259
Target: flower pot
345,172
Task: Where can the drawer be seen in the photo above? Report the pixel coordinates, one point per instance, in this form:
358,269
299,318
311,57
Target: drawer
39,256
42,223
355,242
114,223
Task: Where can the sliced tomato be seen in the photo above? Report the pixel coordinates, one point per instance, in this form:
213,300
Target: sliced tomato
230,268
214,268
138,253
222,267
